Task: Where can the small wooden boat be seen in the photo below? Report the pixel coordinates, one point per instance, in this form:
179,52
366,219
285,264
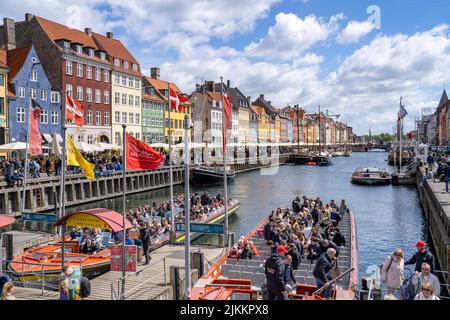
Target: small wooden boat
210,175
371,176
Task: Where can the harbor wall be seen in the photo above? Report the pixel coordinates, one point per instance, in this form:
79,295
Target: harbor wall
436,206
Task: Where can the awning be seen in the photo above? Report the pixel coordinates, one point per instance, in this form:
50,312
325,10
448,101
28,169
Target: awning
47,137
95,218
6,221
13,146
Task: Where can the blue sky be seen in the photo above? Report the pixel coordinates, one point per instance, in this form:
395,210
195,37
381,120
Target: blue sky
308,52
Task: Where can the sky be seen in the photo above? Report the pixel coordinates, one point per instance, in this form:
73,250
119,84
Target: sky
354,58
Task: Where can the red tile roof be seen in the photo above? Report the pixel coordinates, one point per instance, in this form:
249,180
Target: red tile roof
3,63
16,59
161,85
115,49
153,98
215,95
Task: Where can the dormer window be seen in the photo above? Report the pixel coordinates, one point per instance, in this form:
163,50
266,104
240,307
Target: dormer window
79,49
116,62
125,64
91,52
102,55
134,67
66,44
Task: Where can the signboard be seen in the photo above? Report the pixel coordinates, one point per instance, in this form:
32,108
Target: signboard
86,221
130,258
202,228
40,217
133,234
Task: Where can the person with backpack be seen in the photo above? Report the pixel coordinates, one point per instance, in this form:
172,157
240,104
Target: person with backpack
392,271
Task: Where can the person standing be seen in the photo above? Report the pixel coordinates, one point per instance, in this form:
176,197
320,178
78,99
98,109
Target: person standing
47,167
425,276
274,270
430,161
322,272
422,255
146,242
392,271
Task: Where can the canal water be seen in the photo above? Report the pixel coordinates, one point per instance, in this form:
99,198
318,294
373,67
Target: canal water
386,216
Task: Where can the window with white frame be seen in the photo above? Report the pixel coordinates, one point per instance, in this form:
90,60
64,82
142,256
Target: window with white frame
117,79
55,117
33,76
130,118
44,95
80,93
55,97
20,114
124,117
98,118
130,82
44,116
69,70
117,117
116,62
125,64
117,138
124,81
137,83
131,100
124,98
106,97
98,96
69,90
106,118
138,135
80,138
134,67
89,117
137,101
79,70
98,74
79,49
88,72
102,55
90,138
138,118
89,94
91,52
106,75
21,92
33,93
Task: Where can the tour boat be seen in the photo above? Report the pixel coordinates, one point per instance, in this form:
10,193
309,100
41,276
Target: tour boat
347,153
238,279
336,154
311,160
371,176
210,175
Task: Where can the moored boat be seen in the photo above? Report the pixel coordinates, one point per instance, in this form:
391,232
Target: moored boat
371,176
210,175
347,153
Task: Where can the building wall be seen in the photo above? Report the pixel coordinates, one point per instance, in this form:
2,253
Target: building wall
132,89
177,119
244,125
152,121
277,130
3,109
18,129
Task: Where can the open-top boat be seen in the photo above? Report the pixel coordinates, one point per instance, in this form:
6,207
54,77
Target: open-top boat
210,175
371,176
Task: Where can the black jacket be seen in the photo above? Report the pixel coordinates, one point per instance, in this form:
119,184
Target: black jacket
268,232
322,269
274,270
331,244
419,258
296,258
339,239
289,274
313,248
145,237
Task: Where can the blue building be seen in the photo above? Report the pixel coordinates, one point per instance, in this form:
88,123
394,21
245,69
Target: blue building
28,79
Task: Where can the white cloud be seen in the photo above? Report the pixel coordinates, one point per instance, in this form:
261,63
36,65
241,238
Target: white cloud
291,36
354,31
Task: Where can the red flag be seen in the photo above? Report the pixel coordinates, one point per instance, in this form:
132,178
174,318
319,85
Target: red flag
140,155
227,117
74,111
176,100
35,138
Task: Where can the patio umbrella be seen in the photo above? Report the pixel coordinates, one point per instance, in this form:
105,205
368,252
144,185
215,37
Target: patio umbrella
13,146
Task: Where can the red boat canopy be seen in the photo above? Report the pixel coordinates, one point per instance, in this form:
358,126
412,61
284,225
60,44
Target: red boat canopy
6,221
95,218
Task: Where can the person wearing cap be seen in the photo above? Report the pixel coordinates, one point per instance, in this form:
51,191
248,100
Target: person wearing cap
274,269
422,255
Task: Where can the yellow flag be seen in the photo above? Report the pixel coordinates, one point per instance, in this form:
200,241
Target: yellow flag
74,158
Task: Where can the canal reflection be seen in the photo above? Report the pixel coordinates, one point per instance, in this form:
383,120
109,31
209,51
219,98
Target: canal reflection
386,216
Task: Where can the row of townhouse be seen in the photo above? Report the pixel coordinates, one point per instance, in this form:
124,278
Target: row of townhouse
44,60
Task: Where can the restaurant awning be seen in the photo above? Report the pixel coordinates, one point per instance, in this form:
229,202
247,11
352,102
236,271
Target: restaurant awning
47,137
95,218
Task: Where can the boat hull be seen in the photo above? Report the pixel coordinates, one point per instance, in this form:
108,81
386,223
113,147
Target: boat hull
209,177
372,181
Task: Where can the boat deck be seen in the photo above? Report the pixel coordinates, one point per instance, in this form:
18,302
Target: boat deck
254,269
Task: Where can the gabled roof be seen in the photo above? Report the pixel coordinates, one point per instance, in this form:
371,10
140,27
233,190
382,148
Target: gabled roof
215,95
16,59
444,99
3,62
160,85
115,49
238,93
57,31
153,98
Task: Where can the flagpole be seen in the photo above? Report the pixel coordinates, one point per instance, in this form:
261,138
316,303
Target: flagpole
26,158
62,188
172,218
187,210
400,138
124,188
225,231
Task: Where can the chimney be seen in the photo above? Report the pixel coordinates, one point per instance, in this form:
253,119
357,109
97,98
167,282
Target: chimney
261,97
9,33
228,84
109,35
28,17
210,86
249,100
154,73
88,31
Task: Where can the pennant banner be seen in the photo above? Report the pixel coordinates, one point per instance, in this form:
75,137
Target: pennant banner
35,138
139,155
75,158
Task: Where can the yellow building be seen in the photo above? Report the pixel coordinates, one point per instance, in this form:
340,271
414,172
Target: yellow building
263,125
244,125
3,100
277,129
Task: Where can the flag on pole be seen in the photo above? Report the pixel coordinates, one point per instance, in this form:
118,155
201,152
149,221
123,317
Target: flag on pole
402,113
141,156
56,148
75,158
35,138
227,114
74,111
176,100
